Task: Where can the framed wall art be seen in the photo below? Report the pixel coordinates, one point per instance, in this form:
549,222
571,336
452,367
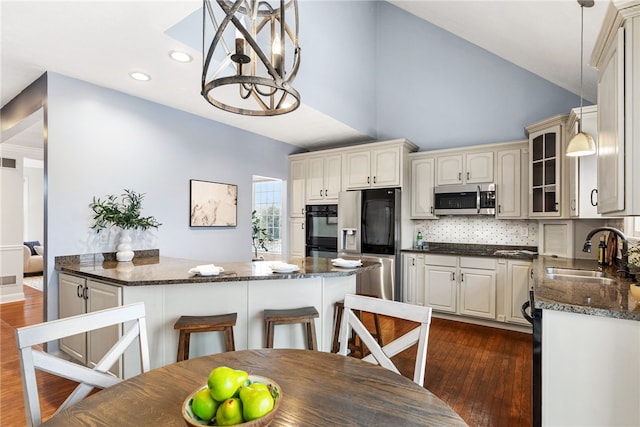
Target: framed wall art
213,204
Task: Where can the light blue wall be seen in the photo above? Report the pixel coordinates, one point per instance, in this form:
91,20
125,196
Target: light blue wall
338,62
101,141
441,91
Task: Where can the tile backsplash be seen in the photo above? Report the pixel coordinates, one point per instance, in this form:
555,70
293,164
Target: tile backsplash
478,230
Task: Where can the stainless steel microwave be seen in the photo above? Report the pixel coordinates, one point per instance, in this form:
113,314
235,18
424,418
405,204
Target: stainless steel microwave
468,199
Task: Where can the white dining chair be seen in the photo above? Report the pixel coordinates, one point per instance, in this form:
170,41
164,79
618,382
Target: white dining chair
381,355
98,377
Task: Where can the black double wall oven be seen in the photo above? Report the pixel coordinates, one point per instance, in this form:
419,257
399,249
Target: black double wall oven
321,227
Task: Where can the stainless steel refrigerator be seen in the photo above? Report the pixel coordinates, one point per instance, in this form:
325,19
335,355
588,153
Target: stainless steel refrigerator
369,229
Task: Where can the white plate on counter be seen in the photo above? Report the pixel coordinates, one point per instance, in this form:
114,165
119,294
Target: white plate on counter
346,263
284,268
206,270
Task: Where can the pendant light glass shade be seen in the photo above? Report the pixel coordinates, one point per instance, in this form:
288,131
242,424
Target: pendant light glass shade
250,55
581,144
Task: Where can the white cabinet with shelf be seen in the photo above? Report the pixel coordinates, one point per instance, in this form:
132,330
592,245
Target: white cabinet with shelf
323,180
79,296
616,55
469,168
461,285
297,187
546,157
422,183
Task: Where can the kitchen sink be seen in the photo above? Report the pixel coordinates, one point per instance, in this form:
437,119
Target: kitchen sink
574,272
583,279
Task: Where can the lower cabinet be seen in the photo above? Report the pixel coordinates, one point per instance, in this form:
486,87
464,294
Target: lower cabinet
298,237
413,278
460,285
516,290
79,296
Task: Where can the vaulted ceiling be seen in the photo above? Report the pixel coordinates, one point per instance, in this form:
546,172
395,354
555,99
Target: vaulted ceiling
101,41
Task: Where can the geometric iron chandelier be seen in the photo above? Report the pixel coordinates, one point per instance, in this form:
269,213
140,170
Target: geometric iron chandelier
581,144
253,56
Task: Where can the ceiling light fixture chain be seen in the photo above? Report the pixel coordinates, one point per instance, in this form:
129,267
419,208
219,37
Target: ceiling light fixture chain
581,144
264,62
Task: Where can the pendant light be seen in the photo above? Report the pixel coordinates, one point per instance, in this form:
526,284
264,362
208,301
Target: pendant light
250,55
582,144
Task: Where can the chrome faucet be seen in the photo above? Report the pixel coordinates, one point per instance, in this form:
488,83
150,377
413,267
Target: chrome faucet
624,268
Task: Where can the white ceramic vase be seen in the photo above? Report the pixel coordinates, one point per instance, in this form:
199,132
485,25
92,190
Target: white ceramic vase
124,250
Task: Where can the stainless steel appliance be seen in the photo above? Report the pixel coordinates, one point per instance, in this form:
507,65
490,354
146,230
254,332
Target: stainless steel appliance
369,229
535,318
468,199
322,231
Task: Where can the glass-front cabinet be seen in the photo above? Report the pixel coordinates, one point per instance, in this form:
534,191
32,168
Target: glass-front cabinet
545,148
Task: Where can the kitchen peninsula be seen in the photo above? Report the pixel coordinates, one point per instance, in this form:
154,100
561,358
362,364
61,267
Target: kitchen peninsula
590,344
91,282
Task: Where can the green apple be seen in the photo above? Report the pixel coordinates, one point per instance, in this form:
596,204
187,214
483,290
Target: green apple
256,401
224,382
229,412
203,405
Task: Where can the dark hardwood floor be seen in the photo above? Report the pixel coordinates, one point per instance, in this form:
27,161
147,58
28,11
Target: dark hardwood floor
483,373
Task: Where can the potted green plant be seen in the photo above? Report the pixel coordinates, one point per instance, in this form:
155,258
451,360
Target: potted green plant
125,212
259,236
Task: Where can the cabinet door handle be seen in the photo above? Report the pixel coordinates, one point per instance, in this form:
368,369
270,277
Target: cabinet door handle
453,276
532,273
85,293
499,208
368,180
413,262
374,179
459,176
594,191
326,192
468,175
462,277
431,210
320,193
302,211
302,225
79,291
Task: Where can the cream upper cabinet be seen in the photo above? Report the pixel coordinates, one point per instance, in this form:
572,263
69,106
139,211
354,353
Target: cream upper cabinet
582,171
297,187
422,183
323,179
371,168
509,184
545,160
469,168
616,55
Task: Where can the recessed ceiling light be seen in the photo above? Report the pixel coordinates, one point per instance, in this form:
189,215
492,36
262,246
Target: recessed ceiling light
180,56
140,76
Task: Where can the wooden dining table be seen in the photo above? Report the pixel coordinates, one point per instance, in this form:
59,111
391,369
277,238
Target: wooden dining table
318,389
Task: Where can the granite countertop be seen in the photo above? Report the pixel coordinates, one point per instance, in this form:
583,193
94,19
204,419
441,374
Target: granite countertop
463,249
158,270
608,300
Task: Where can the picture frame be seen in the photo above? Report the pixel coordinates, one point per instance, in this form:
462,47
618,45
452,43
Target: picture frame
212,204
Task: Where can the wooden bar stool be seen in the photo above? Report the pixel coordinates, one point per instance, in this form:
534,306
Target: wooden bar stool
304,315
355,344
192,324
